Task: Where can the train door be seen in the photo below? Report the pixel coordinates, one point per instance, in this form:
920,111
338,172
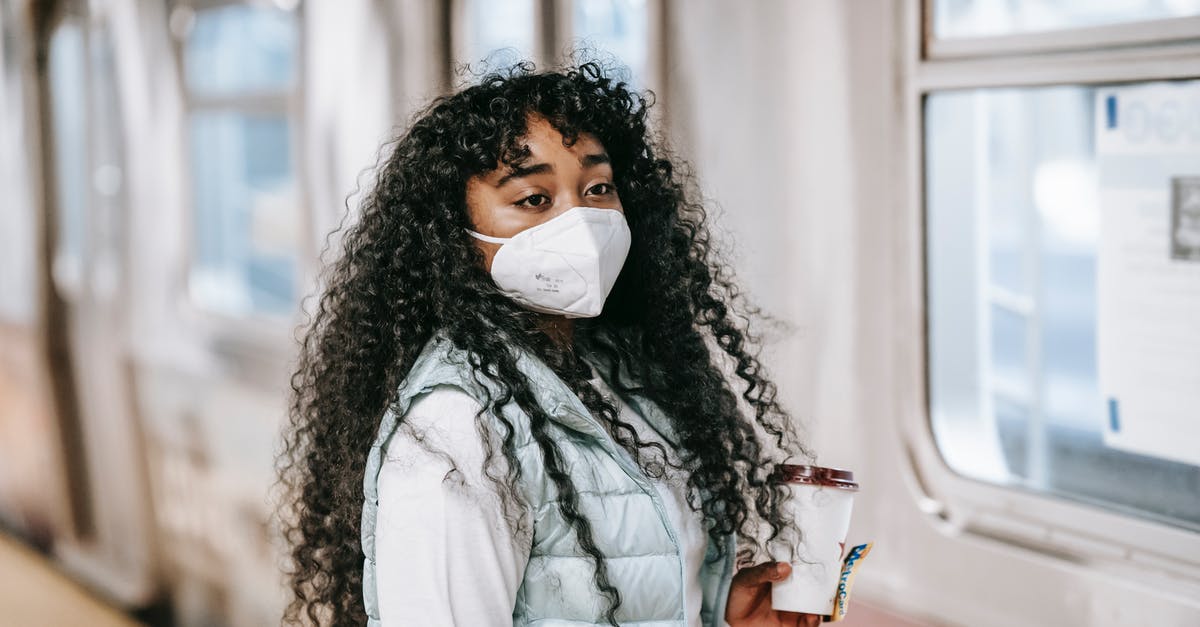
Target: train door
221,241
86,318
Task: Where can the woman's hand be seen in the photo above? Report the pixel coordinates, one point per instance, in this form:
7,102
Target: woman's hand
750,599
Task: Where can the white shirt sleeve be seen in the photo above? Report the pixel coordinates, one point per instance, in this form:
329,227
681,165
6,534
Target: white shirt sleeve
444,553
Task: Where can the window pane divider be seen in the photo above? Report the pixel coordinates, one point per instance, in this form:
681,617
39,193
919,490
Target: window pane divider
264,102
1155,32
1092,67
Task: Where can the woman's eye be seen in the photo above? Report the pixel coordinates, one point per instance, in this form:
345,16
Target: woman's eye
533,200
601,189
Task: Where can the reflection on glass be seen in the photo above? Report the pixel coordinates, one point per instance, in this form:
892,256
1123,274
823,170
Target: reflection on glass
240,47
245,219
978,18
1012,230
501,32
617,28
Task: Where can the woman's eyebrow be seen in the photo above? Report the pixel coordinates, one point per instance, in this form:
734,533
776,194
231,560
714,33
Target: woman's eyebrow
520,171
594,159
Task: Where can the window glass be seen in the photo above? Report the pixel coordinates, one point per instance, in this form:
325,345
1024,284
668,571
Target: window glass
241,47
68,110
240,62
976,18
501,31
1013,229
245,231
616,27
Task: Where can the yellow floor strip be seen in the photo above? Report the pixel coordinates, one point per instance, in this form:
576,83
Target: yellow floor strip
35,594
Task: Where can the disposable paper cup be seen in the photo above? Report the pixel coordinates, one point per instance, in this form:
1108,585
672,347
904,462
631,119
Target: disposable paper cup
823,500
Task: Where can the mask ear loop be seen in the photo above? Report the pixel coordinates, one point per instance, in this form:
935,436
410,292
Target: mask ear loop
488,238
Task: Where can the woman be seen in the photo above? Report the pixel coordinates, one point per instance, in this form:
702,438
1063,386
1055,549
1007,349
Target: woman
512,402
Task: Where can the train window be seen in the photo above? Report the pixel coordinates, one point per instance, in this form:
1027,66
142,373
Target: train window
68,115
975,18
500,31
241,48
240,76
619,27
246,238
1013,184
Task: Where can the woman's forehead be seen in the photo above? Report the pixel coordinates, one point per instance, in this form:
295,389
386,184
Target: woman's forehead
541,138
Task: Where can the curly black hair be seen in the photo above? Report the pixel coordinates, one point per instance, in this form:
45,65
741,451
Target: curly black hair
675,319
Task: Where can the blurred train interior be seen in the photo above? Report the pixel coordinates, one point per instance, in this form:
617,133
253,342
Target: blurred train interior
976,224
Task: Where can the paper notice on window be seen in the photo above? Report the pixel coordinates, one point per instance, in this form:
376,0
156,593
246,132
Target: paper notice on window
1148,268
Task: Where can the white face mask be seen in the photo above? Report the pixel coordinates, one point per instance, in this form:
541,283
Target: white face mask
566,265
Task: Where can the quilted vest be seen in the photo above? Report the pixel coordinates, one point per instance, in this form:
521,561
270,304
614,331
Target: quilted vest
629,522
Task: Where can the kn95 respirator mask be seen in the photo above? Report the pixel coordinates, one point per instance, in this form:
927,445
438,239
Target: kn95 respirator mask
566,265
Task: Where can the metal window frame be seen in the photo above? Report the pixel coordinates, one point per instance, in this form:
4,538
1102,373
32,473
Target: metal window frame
1046,528
1147,32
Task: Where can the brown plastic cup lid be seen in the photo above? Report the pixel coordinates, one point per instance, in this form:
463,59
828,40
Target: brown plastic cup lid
817,475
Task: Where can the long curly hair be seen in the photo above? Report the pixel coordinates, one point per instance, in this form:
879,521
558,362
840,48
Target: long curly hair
675,320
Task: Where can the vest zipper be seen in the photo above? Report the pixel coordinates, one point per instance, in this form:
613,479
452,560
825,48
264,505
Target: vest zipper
634,472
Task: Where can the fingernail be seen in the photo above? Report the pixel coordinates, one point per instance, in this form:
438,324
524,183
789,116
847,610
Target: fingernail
779,570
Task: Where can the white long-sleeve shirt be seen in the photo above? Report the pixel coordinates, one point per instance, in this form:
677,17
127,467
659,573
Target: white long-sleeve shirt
445,554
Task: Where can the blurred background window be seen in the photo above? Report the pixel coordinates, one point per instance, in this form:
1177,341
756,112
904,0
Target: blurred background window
240,66
498,33
616,27
981,18
68,84
241,48
1012,230
501,31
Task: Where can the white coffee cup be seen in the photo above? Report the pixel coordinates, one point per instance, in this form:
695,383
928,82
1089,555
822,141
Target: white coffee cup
822,500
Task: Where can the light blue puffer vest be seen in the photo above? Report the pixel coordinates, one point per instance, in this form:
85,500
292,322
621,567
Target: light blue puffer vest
629,523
